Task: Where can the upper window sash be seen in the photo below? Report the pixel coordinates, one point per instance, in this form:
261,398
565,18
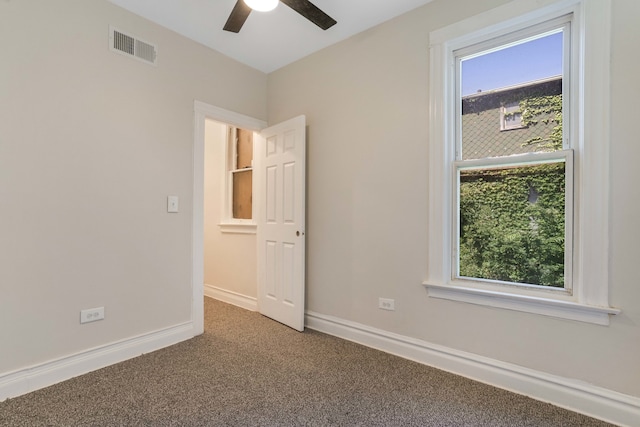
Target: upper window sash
560,24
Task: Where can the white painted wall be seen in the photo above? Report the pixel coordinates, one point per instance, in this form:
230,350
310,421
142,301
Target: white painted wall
366,103
91,145
229,258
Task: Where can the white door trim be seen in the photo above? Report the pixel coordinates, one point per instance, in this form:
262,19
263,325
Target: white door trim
203,111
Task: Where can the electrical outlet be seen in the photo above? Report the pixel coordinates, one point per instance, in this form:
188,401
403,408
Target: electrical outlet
386,304
91,314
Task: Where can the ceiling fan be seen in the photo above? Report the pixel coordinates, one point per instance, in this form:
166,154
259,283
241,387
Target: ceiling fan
241,12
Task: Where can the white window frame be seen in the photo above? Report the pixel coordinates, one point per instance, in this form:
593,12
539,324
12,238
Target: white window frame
523,35
229,224
589,109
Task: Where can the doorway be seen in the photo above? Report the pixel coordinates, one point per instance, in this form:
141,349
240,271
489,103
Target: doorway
279,192
204,112
230,263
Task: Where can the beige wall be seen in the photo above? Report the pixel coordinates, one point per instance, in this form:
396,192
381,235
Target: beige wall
229,258
91,145
366,103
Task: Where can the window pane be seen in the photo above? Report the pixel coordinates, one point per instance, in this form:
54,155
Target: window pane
512,99
245,149
242,203
512,224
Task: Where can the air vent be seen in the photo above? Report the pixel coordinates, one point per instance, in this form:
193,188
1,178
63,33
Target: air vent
129,45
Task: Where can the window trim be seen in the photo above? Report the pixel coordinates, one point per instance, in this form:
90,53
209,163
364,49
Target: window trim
590,114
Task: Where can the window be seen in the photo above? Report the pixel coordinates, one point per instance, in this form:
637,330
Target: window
508,224
240,169
510,116
238,206
502,232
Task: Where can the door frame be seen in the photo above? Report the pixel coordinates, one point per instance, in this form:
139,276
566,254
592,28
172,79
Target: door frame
202,112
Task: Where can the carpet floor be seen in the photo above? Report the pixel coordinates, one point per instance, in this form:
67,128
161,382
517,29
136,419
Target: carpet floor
247,370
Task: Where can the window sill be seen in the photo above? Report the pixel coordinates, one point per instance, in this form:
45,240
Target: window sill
238,227
547,307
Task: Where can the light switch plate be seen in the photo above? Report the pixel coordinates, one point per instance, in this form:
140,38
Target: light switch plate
172,204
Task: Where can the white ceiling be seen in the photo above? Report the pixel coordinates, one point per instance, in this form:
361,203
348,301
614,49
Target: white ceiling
268,40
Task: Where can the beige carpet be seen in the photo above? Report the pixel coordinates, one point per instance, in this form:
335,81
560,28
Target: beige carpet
247,370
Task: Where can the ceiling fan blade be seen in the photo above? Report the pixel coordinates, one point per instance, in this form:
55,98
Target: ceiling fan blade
311,12
238,16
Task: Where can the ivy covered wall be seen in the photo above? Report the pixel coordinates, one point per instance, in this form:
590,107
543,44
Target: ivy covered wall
512,223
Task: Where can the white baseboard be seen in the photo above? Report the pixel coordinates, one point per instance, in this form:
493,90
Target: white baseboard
230,297
26,380
577,396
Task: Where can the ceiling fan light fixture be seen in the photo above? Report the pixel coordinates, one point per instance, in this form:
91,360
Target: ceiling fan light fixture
262,5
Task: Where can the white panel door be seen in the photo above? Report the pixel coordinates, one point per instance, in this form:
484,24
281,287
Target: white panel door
280,168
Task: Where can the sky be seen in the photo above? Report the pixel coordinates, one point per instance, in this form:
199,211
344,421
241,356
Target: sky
525,62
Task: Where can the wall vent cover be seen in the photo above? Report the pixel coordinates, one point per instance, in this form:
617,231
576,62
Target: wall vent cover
127,44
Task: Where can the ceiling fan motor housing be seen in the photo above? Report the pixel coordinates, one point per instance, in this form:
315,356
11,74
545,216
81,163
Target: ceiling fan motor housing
243,8
262,5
